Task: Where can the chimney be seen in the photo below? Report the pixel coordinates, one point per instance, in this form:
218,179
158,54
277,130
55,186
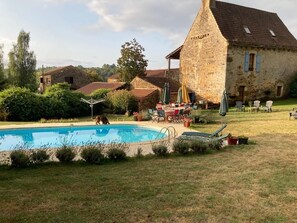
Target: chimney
208,4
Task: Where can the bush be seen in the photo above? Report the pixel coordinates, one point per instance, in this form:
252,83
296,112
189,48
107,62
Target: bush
92,155
160,150
181,147
65,154
116,151
19,159
21,104
198,146
215,145
122,101
39,156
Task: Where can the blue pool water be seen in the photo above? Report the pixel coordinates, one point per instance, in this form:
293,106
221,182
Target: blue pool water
74,135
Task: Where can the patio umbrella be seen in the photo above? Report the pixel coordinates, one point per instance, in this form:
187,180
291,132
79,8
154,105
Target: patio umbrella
166,94
179,99
185,95
224,104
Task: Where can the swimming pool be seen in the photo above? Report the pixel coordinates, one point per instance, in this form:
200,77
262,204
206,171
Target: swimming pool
52,137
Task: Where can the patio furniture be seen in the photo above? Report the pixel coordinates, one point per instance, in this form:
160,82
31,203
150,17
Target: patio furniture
293,113
268,106
255,106
158,116
204,139
204,134
239,106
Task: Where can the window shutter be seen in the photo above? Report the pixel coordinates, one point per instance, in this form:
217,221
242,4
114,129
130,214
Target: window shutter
246,61
258,63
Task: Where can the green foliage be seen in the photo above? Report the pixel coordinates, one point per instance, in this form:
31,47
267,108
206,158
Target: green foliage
3,114
122,101
217,145
181,147
198,146
62,101
19,158
99,93
132,62
293,87
2,71
65,154
92,154
116,151
21,104
22,63
160,150
39,156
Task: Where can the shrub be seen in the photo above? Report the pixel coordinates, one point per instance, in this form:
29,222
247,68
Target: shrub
3,114
92,155
198,146
39,156
19,158
116,151
215,145
160,150
21,104
181,147
65,154
122,101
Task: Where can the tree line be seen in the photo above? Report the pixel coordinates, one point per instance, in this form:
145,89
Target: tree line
22,72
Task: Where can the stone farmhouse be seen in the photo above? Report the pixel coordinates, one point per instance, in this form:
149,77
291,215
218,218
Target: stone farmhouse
248,52
69,74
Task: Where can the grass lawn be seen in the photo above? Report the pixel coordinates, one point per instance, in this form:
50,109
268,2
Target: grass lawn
252,183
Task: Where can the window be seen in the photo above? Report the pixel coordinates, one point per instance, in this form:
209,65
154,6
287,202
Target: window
251,61
279,91
41,80
69,80
272,33
247,30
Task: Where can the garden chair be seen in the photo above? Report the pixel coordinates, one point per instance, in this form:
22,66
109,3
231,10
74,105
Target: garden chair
255,106
239,106
268,106
293,113
203,134
158,116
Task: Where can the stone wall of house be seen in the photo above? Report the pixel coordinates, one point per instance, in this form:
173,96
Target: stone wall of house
203,58
79,80
277,69
172,74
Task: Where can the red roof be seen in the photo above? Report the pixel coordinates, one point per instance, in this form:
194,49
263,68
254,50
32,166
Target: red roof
142,93
88,89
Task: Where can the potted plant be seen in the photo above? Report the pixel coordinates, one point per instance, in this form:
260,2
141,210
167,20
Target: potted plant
232,140
243,140
187,122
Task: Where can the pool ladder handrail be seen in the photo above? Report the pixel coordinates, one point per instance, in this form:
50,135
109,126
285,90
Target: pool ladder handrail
170,129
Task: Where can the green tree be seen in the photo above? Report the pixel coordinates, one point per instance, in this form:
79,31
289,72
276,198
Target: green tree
22,63
132,62
2,72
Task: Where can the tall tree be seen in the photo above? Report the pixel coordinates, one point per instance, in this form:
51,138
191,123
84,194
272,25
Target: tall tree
2,75
132,62
22,63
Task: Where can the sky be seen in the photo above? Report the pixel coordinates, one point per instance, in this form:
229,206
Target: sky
91,32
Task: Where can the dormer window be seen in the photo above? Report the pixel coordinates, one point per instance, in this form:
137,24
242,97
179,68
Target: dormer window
247,30
272,33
